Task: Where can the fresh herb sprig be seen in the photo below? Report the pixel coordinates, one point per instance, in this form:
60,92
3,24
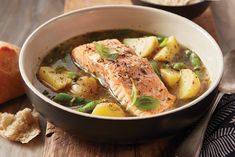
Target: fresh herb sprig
105,52
144,103
155,67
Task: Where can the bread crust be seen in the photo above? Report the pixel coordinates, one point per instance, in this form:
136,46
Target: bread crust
11,83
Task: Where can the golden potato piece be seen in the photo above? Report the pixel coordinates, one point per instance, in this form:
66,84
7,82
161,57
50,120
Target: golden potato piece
54,80
85,87
109,110
189,84
143,46
22,127
169,76
168,52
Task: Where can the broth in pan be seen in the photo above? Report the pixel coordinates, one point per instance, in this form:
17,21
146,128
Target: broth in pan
121,73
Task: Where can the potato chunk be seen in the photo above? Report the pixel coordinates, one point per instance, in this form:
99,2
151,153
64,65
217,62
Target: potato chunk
85,87
143,46
189,84
108,109
55,81
168,52
169,76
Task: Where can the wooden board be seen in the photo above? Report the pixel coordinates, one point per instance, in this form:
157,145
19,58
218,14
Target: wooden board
59,143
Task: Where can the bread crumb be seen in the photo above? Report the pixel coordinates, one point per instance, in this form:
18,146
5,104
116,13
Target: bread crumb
22,127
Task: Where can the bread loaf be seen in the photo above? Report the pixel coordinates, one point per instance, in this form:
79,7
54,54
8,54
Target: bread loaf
11,84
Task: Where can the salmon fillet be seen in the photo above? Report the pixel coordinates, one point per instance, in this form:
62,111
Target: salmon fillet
117,75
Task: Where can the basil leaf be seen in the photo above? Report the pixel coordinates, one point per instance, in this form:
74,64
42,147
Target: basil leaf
147,103
164,42
133,93
105,52
143,102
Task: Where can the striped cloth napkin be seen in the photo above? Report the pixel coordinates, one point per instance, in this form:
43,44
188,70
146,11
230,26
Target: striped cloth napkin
219,139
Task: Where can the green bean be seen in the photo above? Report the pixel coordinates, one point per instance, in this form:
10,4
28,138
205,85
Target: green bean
188,53
67,99
63,97
80,101
160,38
178,66
155,67
72,75
164,42
194,59
89,106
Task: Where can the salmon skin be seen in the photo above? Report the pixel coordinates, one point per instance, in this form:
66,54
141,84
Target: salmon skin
118,75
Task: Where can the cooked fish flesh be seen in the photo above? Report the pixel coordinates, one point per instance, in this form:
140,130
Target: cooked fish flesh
118,75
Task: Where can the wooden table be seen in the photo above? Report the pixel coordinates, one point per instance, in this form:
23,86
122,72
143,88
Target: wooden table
59,143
